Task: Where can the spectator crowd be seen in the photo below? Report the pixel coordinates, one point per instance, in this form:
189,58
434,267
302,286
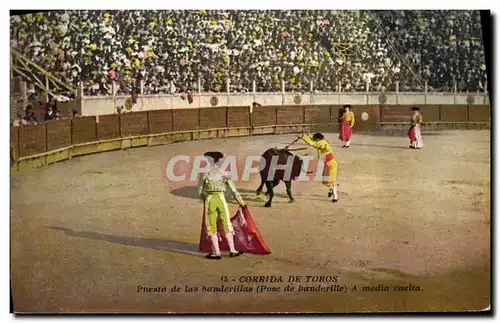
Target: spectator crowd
169,51
28,116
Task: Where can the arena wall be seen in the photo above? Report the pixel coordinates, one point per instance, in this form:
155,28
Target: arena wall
84,129
478,113
289,115
100,105
160,121
186,119
213,118
431,112
58,134
373,114
32,139
108,127
453,113
238,117
14,144
134,124
48,142
264,116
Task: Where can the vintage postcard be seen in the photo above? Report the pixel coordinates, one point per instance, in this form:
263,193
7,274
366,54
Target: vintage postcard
250,161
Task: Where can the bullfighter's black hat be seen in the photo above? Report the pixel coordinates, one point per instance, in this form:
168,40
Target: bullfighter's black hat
415,109
215,155
348,106
318,136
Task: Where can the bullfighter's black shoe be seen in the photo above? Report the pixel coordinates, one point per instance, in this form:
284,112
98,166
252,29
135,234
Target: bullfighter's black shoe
213,256
335,200
235,254
330,193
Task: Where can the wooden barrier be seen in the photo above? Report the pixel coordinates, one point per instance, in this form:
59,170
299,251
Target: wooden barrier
403,113
430,113
83,129
372,112
58,138
14,143
32,139
317,114
264,116
453,113
289,119
336,112
211,118
134,124
160,121
478,113
264,120
238,121
58,134
238,117
108,127
400,113
185,119
51,141
290,115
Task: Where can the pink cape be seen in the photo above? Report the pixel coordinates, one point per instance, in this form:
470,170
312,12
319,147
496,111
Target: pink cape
246,235
345,131
411,134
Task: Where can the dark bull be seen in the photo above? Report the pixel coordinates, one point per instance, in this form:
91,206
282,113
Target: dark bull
286,172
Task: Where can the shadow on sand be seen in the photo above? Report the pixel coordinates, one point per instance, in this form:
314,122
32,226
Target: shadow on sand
248,195
399,133
185,191
382,146
180,247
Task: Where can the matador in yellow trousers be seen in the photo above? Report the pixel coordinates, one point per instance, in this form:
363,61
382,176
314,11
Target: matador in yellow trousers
325,151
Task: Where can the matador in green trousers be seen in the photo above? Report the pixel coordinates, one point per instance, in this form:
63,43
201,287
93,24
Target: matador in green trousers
211,188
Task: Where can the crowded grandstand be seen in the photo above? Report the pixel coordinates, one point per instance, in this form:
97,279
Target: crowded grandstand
241,51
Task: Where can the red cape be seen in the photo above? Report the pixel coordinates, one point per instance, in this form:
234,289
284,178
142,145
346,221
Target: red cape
411,134
345,131
246,235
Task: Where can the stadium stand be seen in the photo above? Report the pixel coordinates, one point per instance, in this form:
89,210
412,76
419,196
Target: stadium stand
170,51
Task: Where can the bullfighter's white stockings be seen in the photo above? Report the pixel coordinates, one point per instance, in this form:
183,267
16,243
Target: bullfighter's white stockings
230,241
215,244
335,195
